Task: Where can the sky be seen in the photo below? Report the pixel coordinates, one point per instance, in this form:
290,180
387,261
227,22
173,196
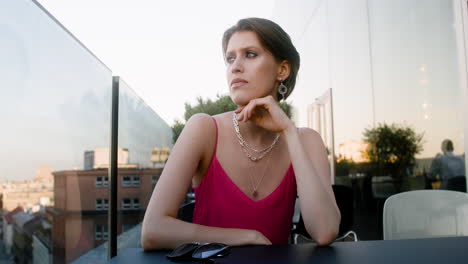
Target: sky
169,52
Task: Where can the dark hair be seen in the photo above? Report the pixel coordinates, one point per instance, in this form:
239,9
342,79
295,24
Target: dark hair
274,39
447,145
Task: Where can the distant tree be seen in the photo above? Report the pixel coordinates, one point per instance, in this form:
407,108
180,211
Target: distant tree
343,166
177,129
392,148
221,105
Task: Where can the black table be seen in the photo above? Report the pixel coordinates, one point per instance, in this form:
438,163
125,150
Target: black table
414,251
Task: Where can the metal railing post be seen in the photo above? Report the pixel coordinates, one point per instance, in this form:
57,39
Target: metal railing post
113,170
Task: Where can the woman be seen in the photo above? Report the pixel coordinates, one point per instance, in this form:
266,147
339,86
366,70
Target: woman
248,166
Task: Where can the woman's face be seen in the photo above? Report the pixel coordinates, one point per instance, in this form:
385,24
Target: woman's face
251,70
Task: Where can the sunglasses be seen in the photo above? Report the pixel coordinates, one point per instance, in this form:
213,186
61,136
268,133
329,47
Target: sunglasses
198,251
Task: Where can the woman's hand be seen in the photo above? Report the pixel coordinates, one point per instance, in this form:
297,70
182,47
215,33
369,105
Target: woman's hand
258,238
265,113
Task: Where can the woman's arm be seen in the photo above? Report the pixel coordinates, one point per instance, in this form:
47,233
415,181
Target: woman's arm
318,206
161,228
309,158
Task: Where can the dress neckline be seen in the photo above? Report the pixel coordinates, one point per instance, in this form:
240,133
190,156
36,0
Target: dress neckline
240,190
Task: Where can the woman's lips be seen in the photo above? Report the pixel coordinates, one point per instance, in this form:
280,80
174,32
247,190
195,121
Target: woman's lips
238,84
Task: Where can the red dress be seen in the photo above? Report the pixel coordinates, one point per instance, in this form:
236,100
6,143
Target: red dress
220,203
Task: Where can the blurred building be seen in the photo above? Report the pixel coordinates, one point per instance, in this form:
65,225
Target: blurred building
32,195
88,160
352,150
8,228
159,156
99,158
23,226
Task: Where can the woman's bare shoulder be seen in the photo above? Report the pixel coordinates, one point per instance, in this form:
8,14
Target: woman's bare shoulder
202,126
307,134
197,132
199,123
199,119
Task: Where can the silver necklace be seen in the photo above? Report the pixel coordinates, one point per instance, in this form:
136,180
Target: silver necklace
245,145
255,188
242,140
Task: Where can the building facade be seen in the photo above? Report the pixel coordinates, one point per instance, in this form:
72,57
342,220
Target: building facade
79,216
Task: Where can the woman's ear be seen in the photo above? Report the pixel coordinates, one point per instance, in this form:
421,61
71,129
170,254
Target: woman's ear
284,69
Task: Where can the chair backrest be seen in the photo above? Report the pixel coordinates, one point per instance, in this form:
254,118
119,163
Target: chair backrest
186,212
457,184
344,200
425,214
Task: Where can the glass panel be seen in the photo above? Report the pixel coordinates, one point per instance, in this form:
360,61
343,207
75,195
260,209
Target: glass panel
417,72
145,141
55,105
388,62
417,78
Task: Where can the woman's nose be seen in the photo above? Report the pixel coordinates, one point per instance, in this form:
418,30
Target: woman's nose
237,66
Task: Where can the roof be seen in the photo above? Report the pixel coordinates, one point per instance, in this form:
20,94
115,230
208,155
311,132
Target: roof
22,218
33,225
8,216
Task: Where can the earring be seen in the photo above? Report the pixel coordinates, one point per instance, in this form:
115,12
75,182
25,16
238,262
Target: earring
282,89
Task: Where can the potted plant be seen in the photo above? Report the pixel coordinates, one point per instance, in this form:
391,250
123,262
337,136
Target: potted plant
391,150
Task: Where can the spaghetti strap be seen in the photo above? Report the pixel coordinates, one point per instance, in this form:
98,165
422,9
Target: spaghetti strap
216,140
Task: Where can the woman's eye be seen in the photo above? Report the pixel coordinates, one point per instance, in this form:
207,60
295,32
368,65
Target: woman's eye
229,59
251,55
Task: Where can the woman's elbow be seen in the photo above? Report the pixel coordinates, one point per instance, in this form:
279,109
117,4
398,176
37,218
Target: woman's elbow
150,238
148,241
327,237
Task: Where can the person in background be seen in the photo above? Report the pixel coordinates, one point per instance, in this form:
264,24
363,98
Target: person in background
446,166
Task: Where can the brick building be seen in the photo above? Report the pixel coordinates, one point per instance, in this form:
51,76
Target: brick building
79,216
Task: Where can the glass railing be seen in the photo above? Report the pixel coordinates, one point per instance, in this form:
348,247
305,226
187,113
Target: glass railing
144,144
145,140
397,70
56,109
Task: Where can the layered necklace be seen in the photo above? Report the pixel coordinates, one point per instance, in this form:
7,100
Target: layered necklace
262,152
244,145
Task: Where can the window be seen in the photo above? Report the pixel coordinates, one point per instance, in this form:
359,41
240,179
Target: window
126,204
136,181
98,204
105,234
126,181
100,232
98,181
136,203
102,204
154,179
105,183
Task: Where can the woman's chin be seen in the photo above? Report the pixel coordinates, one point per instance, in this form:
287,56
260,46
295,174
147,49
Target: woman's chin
240,101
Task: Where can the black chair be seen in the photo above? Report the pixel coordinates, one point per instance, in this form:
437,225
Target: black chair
457,184
344,200
186,212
